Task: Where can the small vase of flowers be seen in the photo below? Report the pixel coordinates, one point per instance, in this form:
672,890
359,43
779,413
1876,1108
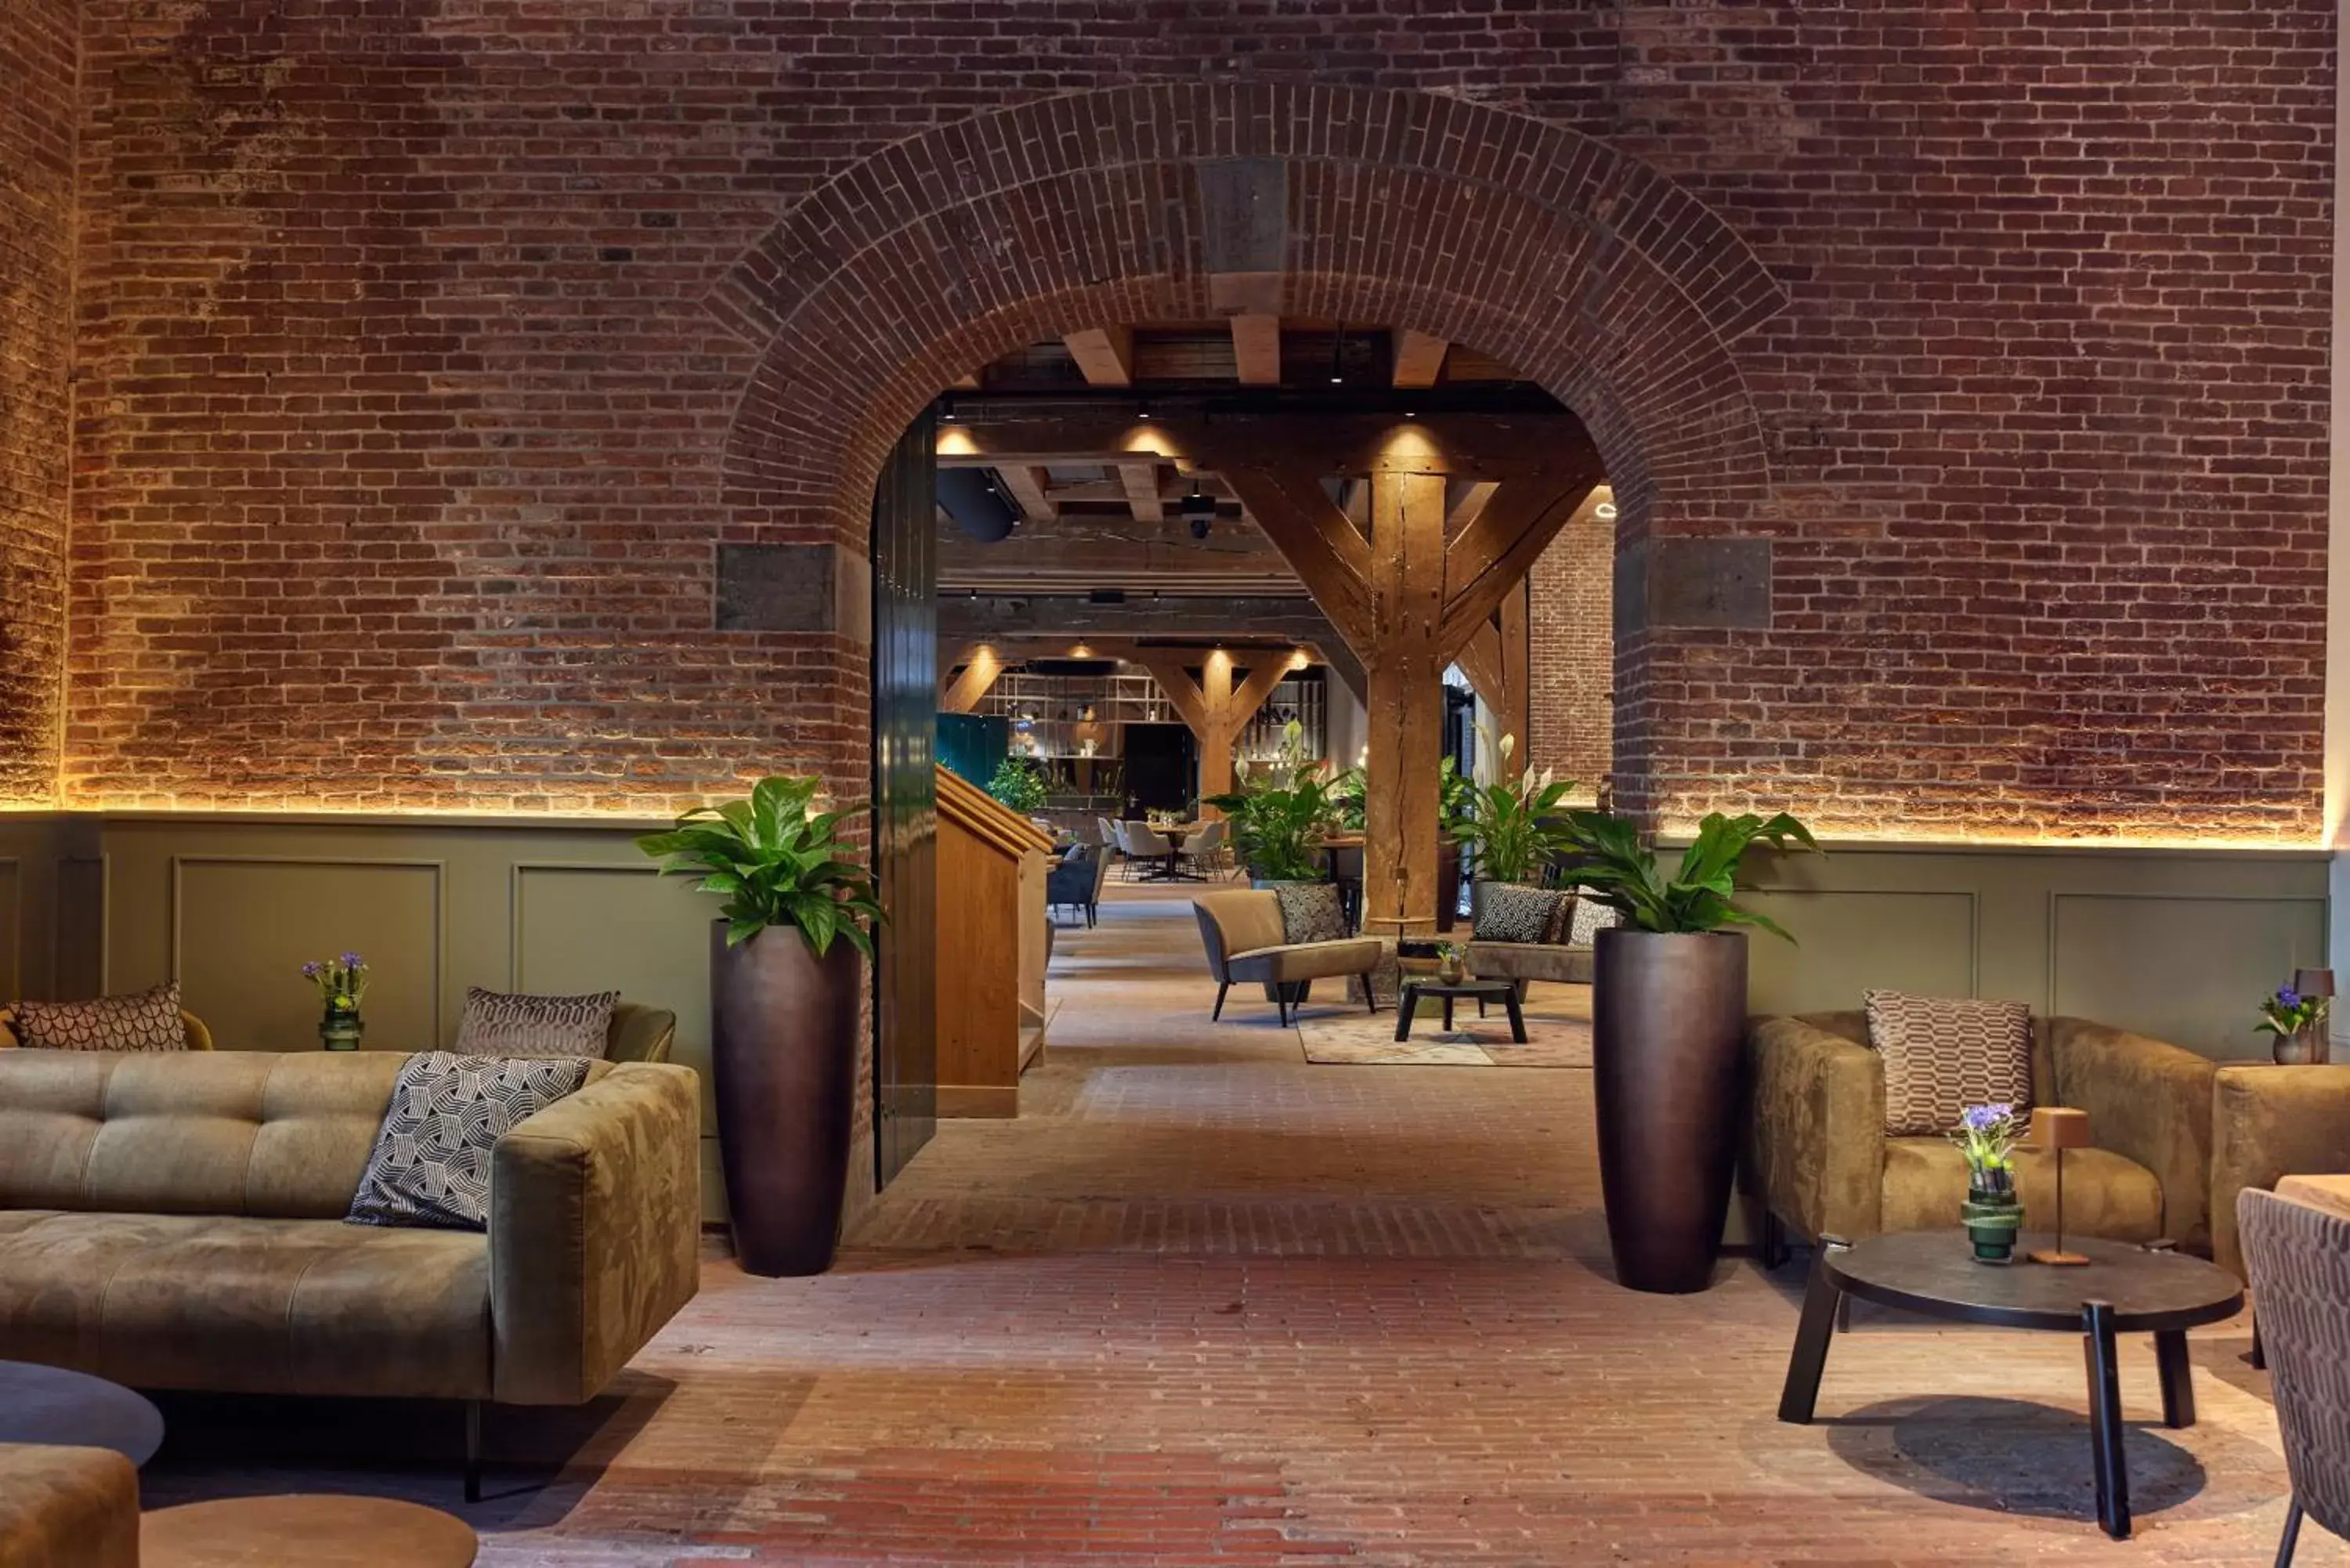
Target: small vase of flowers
2292,1018
342,982
1987,1136
1451,964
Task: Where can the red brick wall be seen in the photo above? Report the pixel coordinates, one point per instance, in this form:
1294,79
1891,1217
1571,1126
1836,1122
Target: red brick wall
37,49
1571,656
405,419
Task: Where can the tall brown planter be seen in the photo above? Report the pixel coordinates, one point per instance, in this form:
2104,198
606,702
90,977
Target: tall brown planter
1669,1016
784,1070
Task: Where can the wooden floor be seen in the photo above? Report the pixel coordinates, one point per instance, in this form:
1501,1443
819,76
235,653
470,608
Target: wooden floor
1205,1303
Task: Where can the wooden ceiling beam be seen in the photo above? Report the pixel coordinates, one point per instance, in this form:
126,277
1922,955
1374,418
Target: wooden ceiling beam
1496,551
1464,445
1141,482
1256,349
1104,354
997,618
1328,552
1419,358
1473,497
1024,483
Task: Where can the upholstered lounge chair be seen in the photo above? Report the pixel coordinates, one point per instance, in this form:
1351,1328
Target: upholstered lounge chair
1241,928
1819,1163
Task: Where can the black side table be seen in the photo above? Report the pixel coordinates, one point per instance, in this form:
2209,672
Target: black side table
1483,991
2122,1290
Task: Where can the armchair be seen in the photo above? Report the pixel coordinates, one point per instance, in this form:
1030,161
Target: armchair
1076,882
2269,1123
2298,1256
1819,1163
1240,929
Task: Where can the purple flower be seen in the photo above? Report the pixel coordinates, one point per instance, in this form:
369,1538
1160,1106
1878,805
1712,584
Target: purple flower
1982,1118
2287,997
312,969
352,960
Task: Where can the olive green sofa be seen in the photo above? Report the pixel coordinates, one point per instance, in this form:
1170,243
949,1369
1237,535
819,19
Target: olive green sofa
68,1508
175,1221
2269,1123
1817,1161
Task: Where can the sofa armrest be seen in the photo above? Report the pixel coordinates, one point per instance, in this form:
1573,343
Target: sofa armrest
2149,1102
2267,1123
595,1230
68,1508
1816,1130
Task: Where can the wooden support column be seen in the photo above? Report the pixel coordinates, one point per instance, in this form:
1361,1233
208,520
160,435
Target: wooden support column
1405,668
1214,709
1495,660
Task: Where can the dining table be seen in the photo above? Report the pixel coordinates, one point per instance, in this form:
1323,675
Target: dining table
1174,834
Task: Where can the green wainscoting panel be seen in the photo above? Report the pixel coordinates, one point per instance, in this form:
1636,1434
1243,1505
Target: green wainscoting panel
13,934
244,926
580,927
2177,944
1848,939
2188,970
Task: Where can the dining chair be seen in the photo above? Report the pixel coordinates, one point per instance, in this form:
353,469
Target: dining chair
1205,849
2298,1255
1146,842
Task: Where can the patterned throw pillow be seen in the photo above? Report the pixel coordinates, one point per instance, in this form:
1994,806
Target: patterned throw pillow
1943,1054
1562,920
1508,912
496,1024
1311,912
146,1021
430,1164
1590,918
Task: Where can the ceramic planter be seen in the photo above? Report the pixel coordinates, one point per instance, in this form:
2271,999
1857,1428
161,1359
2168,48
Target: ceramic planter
784,1026
1669,1019
1993,1219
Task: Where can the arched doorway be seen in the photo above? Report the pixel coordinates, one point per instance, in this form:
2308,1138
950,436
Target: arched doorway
1597,277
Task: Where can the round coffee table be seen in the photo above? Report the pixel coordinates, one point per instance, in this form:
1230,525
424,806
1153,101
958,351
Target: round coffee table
321,1532
1504,992
2122,1290
73,1409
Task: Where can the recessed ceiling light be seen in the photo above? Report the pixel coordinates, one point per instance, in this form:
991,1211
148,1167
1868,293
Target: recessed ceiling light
1605,512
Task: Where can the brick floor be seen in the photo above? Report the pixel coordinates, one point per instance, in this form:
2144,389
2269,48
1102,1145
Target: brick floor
1204,1304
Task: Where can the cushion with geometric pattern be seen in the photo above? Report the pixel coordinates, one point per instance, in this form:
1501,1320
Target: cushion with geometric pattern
1944,1053
143,1021
1510,912
1311,912
498,1024
1590,918
430,1163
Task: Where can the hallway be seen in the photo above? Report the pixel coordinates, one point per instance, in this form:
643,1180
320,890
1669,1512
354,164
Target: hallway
1205,1303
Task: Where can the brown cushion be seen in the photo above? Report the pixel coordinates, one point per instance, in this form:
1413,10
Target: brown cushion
143,1021
499,1024
1945,1053
2318,1191
2105,1194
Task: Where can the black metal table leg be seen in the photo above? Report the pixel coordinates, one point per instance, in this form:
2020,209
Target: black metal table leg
1517,1018
2106,1419
1448,1014
2178,1387
1407,1003
1812,1332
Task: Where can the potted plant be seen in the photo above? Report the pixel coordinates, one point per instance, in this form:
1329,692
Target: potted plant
1018,785
1669,1016
1987,1136
1514,823
1281,812
2292,1018
785,989
342,983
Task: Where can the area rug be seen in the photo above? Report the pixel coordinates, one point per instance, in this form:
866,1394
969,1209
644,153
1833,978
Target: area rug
1360,1039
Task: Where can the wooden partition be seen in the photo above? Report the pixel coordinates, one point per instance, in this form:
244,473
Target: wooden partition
991,953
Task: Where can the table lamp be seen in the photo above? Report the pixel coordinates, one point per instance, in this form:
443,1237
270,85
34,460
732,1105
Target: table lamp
2317,982
2059,1128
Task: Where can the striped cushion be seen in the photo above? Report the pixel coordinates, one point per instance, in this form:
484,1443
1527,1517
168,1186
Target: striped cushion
145,1021
496,1024
1945,1053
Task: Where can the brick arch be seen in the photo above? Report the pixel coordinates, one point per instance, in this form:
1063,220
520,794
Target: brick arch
1586,269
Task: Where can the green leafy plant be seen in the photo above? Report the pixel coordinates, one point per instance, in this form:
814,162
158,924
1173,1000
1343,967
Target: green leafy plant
1018,785
777,860
2286,1013
1282,813
1347,794
1514,822
1624,870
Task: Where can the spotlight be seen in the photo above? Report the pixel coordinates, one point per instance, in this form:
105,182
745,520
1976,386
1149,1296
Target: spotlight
946,410
1605,512
1199,511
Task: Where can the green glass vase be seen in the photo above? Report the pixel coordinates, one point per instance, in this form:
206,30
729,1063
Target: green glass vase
1993,1217
340,1029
